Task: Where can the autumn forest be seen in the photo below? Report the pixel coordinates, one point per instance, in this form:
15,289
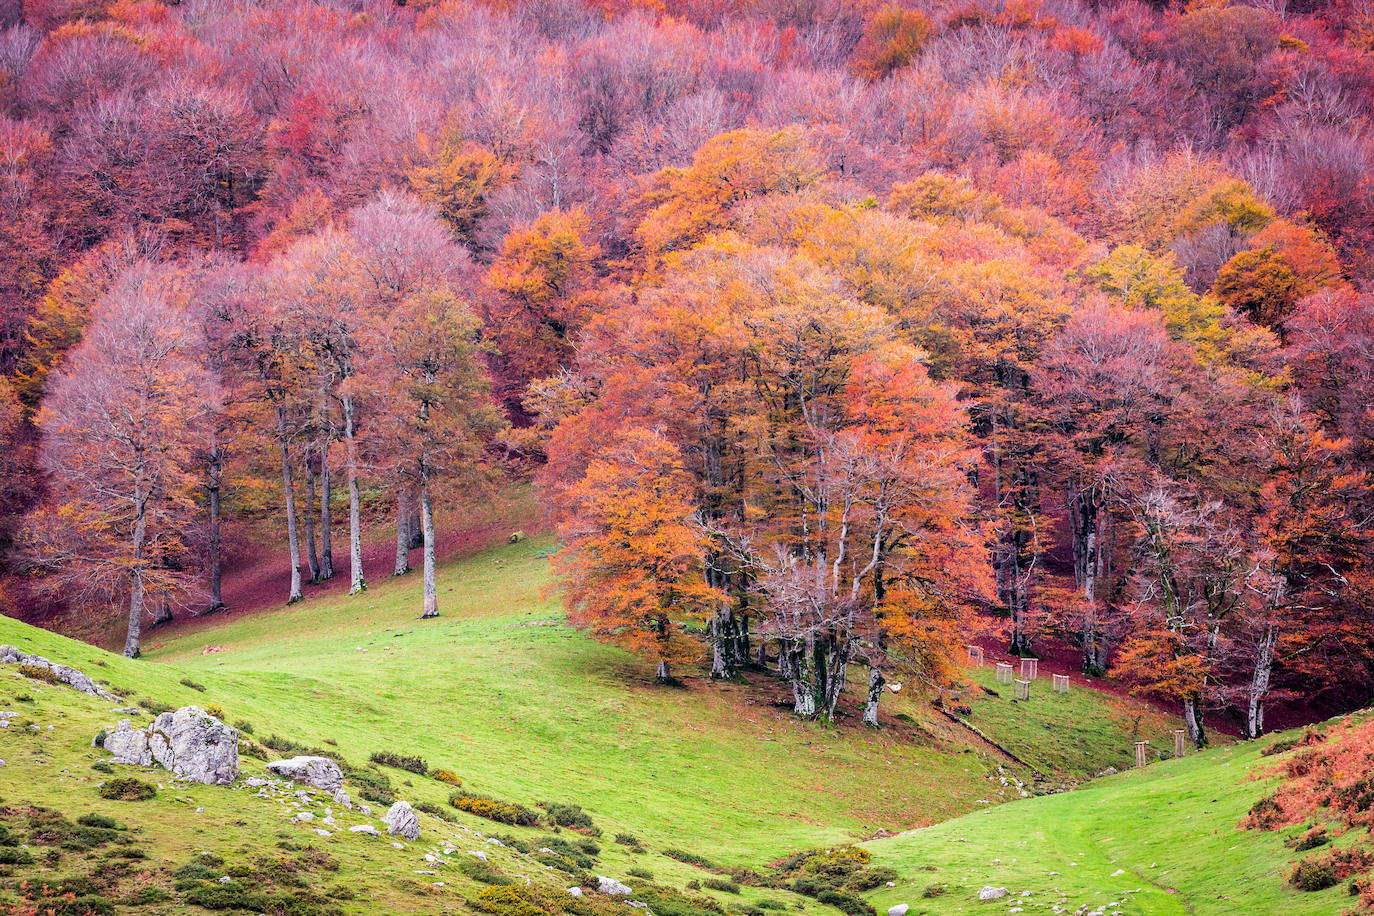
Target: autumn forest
831,336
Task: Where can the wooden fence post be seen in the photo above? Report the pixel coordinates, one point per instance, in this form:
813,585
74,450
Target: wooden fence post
1140,748
1180,742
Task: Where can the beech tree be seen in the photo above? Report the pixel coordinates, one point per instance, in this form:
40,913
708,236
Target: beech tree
120,424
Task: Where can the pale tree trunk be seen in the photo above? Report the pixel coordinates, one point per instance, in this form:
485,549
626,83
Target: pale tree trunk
662,674
289,494
355,517
1192,721
800,674
135,632
427,532
216,545
720,643
312,556
1258,687
1089,542
402,531
326,517
875,693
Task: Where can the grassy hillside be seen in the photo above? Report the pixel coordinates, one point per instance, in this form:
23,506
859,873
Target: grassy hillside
1159,840
502,692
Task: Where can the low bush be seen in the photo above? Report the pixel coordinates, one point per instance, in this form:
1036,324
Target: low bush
98,820
627,839
570,816
690,858
447,776
216,710
865,879
400,762
187,682
721,884
481,872
441,813
493,810
854,906
510,900
10,855
1308,840
668,901
935,890
640,873
244,726
153,706
127,788
39,673
1313,875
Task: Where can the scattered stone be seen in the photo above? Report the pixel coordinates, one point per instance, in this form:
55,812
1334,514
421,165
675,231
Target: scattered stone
401,820
70,676
11,715
254,782
575,891
613,887
129,745
1109,771
493,841
366,810
992,893
1118,873
304,816
195,745
365,828
478,853
225,879
323,832
898,910
341,798
320,772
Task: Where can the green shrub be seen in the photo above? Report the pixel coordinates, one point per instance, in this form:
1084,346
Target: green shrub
1313,875
768,903
854,906
1308,840
400,762
935,890
690,858
9,855
721,884
441,813
514,842
145,896
98,820
570,816
101,766
510,900
493,810
187,682
153,706
214,709
640,873
865,879
244,726
85,905
668,901
127,788
627,839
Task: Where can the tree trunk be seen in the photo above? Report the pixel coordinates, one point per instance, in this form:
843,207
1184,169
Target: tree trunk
135,632
1094,644
312,556
801,675
662,675
1258,687
402,531
719,626
326,517
427,532
355,523
1192,721
289,495
761,658
875,693
216,545
163,613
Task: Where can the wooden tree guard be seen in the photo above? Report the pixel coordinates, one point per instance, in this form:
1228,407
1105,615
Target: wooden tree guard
975,655
1061,683
1180,742
1003,673
1030,667
1022,689
1140,749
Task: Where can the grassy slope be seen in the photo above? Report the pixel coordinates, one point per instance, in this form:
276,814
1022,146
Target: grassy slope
501,691
1169,829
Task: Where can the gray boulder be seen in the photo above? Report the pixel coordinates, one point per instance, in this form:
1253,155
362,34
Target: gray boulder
613,887
898,910
70,676
364,828
195,745
320,772
400,820
341,798
992,893
129,745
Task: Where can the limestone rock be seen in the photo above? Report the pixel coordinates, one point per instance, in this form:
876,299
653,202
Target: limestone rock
898,910
69,676
320,772
575,891
341,798
613,887
195,745
365,828
400,820
992,893
129,745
